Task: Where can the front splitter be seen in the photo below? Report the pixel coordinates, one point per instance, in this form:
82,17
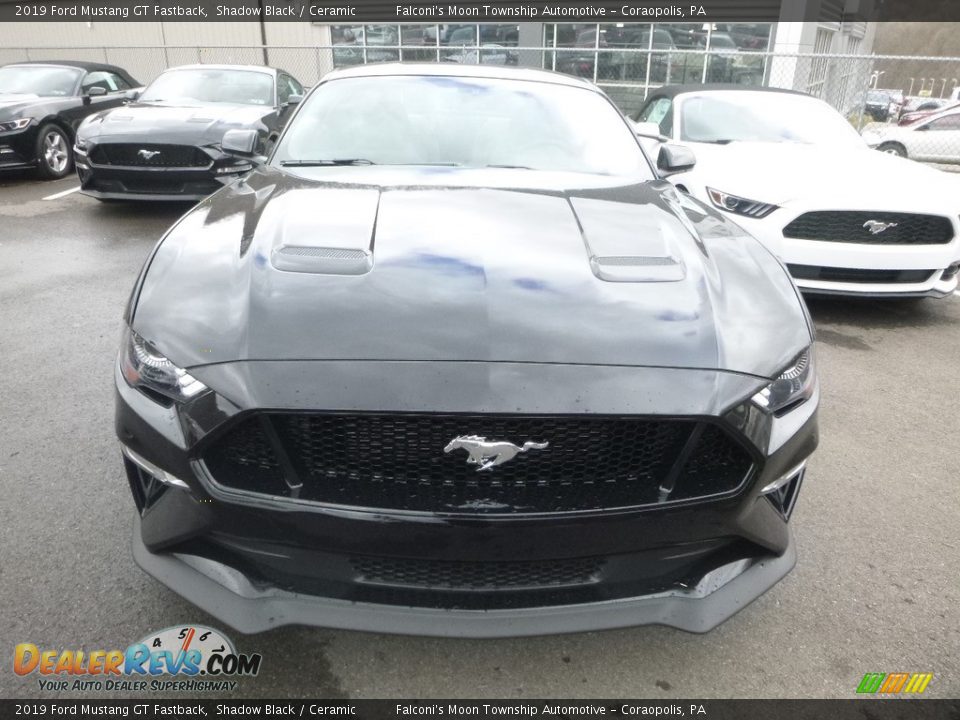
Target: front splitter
228,595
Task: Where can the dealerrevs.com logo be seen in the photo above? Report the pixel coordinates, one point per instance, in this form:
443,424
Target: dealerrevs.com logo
188,658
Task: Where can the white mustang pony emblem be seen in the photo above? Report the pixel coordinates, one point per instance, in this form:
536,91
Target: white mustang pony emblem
490,454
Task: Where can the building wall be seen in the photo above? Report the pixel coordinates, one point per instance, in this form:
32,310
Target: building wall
147,48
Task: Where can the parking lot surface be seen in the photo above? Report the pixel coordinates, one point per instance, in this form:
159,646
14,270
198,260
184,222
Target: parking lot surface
875,589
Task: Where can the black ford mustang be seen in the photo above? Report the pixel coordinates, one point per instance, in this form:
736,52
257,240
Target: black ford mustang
455,361
41,105
165,145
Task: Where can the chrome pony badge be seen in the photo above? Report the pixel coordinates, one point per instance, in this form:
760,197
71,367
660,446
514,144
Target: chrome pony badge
148,154
876,227
490,454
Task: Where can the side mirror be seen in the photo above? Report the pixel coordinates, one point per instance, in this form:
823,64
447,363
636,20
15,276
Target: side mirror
132,95
294,100
96,91
240,143
675,159
649,130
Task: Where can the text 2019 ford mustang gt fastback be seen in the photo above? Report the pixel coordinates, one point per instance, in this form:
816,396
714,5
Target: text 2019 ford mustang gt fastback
455,361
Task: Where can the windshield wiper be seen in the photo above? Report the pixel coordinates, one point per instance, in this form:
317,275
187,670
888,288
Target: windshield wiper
322,163
510,167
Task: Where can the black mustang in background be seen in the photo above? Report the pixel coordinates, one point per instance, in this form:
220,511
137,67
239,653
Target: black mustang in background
165,145
41,105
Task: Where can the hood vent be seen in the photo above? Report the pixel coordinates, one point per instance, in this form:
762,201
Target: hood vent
630,268
630,242
330,233
324,260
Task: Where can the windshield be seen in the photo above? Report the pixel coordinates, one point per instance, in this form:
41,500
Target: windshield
239,87
763,117
37,80
463,122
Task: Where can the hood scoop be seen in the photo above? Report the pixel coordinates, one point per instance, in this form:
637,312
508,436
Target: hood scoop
629,243
328,233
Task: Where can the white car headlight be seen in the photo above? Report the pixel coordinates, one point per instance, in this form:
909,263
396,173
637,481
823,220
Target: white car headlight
739,205
146,369
14,125
792,387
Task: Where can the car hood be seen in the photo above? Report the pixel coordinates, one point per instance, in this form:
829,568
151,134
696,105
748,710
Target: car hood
461,265
13,104
855,177
161,122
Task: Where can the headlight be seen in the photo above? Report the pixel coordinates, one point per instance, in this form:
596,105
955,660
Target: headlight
739,205
794,385
146,369
15,124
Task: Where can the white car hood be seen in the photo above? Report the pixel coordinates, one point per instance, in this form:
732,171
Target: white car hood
824,176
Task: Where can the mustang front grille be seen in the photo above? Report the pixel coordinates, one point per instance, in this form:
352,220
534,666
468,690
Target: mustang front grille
872,228
397,461
140,155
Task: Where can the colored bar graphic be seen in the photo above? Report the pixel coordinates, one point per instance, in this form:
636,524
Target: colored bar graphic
893,683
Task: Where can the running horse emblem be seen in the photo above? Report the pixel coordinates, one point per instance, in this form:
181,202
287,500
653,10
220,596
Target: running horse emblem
489,454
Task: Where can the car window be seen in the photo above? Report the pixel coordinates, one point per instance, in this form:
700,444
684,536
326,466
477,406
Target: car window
283,88
287,86
463,122
659,111
41,80
214,85
111,82
760,116
949,122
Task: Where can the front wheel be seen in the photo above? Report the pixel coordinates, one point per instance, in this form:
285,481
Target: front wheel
54,153
892,148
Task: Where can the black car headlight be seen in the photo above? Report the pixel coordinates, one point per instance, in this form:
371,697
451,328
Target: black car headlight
146,369
739,205
791,388
14,124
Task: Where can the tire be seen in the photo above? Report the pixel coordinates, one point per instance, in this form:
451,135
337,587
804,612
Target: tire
54,153
893,148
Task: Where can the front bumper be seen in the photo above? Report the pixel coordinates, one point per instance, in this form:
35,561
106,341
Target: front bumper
228,595
933,262
257,563
18,149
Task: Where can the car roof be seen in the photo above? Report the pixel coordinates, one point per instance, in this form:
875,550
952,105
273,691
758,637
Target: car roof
672,91
492,72
80,64
209,66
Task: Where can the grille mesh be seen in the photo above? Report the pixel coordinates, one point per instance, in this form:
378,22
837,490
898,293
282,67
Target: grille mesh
858,275
852,226
128,155
398,462
448,575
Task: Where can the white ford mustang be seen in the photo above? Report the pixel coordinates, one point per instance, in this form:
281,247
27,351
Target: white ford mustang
790,170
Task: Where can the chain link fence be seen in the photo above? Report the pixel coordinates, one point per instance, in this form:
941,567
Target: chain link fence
900,104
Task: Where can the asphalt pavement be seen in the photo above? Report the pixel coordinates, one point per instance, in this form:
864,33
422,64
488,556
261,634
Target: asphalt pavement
876,588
